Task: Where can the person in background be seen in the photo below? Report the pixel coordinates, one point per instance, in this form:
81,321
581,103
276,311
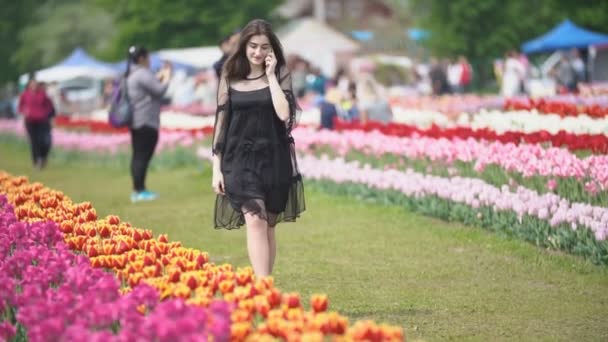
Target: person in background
37,108
579,66
342,81
373,103
566,76
437,74
227,45
454,71
348,106
145,94
328,107
466,76
512,75
298,76
316,81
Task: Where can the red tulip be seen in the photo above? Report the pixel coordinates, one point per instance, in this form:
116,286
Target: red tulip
174,275
319,303
91,215
163,238
192,282
105,232
113,219
274,297
92,251
292,300
66,226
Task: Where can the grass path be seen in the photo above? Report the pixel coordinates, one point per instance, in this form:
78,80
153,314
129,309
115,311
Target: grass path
440,281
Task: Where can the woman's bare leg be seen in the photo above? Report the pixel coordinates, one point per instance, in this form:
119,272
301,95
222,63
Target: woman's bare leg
257,245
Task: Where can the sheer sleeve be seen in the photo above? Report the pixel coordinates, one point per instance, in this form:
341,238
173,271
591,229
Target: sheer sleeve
221,117
294,108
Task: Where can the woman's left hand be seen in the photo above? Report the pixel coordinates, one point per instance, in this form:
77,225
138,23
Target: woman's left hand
271,63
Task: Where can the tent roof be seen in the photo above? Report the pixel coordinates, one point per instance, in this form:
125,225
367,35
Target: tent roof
200,57
564,36
77,64
309,34
80,58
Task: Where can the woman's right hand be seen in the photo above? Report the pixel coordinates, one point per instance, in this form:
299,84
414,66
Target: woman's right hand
217,182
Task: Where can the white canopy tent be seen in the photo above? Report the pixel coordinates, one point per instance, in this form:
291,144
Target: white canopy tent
199,57
317,42
78,64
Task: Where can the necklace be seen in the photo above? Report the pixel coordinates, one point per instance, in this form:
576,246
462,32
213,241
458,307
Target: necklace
255,78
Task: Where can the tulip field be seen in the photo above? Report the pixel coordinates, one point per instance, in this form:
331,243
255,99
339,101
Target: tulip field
480,219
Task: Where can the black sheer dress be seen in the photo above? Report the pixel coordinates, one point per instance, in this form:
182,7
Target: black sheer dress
257,154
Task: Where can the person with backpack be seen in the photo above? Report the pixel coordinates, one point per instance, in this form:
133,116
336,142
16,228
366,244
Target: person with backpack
37,108
144,94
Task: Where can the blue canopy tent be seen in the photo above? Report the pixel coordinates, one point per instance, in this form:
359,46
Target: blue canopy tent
77,64
155,63
564,36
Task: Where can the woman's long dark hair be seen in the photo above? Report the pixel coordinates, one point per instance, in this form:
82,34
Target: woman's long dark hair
237,66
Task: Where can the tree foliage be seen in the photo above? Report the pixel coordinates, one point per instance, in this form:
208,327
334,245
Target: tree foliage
57,28
38,33
180,23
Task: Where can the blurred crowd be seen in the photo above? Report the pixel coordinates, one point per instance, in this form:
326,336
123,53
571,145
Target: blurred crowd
515,70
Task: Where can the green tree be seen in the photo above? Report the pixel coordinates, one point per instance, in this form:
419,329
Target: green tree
14,15
483,30
159,24
57,28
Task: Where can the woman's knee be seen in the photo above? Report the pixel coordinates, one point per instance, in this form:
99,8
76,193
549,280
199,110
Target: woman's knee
255,222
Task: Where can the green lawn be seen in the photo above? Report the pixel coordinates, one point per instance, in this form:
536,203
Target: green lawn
439,281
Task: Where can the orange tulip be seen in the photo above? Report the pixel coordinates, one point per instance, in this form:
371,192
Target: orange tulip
105,232
226,286
174,275
149,271
241,315
96,262
243,278
92,251
312,337
67,226
91,215
292,300
135,278
240,330
149,259
319,303
163,238
274,297
181,291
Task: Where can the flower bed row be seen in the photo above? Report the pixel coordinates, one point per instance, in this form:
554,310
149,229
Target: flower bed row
450,105
536,167
597,143
500,121
546,219
595,107
580,179
260,309
86,141
48,293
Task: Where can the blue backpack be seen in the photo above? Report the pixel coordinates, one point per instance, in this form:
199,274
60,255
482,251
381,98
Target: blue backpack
121,110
